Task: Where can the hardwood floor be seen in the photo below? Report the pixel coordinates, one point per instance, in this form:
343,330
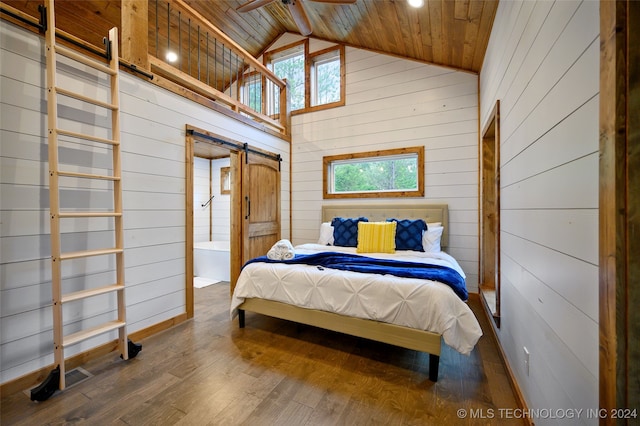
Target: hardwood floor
208,371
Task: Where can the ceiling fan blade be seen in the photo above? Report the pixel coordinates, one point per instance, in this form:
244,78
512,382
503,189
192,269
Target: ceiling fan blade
253,4
300,17
336,1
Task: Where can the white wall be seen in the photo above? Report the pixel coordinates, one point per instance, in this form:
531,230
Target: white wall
153,138
206,175
543,65
201,189
395,103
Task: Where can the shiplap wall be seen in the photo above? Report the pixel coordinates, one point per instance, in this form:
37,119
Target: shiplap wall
543,65
201,189
220,206
394,103
153,138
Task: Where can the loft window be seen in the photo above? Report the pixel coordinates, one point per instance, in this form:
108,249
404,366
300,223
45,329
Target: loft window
377,174
315,81
289,64
327,77
251,94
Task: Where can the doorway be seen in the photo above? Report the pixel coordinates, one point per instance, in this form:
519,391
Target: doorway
252,181
490,215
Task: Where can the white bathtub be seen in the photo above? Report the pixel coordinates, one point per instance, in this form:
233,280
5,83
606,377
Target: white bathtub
211,260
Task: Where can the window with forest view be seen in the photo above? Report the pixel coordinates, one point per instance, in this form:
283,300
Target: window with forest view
326,76
291,68
252,92
390,173
318,75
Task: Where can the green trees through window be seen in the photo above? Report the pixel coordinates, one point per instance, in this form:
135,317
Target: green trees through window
383,175
388,173
314,80
291,68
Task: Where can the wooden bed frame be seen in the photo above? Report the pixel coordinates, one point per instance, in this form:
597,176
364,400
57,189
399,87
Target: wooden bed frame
405,337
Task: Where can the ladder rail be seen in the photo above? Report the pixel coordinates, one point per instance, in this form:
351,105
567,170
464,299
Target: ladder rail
54,206
117,190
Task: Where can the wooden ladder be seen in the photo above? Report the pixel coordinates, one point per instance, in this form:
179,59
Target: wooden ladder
54,92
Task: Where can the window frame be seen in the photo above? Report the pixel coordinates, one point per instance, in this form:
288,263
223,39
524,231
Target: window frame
328,160
309,58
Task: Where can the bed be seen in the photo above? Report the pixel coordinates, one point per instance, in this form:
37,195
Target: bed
410,311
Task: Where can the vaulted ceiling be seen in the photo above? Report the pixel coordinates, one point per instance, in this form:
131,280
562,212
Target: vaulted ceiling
454,33
448,32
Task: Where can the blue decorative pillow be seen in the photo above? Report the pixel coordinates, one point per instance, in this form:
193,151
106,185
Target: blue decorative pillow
345,231
409,234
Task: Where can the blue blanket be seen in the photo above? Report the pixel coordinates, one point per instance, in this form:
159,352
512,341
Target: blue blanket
369,265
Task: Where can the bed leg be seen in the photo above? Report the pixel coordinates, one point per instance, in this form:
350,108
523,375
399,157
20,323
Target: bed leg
434,363
241,318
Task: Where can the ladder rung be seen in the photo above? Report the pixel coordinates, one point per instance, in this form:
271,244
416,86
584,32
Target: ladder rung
74,338
69,53
88,214
89,253
83,294
87,175
84,98
87,137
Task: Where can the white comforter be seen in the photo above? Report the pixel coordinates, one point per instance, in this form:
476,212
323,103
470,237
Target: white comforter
422,304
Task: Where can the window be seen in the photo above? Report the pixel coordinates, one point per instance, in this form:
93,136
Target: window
289,64
252,91
326,77
389,173
315,81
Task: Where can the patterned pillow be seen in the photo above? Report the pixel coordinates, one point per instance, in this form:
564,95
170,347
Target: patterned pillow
376,237
409,234
345,231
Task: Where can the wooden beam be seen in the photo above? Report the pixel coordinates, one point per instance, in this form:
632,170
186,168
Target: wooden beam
135,32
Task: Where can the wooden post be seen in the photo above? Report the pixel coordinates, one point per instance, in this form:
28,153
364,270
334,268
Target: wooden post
135,33
618,208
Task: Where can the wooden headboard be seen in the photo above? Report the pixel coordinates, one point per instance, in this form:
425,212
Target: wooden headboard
380,212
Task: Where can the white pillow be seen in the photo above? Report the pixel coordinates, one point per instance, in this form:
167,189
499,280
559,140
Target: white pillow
431,238
326,234
434,224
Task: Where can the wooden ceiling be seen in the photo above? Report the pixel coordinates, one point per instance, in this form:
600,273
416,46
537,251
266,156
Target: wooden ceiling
454,33
447,32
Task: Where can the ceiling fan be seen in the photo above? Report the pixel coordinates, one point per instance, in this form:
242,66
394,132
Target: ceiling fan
296,8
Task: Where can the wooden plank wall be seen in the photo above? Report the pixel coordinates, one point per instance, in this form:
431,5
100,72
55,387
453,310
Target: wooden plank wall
153,137
543,66
395,103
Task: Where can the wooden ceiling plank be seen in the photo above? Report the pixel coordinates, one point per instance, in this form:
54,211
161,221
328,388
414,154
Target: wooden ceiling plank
471,34
448,30
482,40
435,19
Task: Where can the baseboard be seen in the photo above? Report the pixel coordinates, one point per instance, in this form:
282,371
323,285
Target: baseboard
512,379
36,377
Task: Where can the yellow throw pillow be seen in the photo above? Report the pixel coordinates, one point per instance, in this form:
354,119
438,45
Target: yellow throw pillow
376,237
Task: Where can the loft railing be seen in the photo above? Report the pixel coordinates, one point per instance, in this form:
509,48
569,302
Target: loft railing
207,61
187,49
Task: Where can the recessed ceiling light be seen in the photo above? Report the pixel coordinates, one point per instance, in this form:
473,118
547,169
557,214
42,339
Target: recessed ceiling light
172,56
416,3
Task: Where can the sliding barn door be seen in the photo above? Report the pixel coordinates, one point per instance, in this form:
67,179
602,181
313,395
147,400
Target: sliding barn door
261,205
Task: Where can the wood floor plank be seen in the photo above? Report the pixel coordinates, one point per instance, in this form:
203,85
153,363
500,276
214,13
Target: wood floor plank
209,371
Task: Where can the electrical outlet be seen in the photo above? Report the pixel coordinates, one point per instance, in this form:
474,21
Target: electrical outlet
526,360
